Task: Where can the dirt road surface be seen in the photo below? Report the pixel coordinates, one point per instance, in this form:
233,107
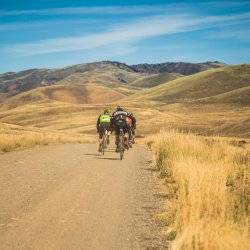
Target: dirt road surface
69,197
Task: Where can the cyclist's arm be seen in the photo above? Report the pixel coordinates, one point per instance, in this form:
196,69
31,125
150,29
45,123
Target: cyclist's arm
134,121
111,123
98,123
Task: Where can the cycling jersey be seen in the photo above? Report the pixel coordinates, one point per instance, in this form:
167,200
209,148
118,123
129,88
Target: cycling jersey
105,119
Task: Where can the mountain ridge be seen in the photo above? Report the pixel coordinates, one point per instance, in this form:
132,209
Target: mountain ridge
12,83
183,68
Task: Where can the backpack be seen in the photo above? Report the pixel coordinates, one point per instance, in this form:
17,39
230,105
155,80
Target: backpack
120,120
105,119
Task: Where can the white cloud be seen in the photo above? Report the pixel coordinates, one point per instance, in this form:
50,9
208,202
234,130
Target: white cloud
227,34
126,33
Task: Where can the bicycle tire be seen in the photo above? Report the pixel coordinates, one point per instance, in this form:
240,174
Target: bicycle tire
121,146
121,154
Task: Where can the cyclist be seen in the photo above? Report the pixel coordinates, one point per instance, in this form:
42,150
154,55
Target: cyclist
103,124
119,121
131,121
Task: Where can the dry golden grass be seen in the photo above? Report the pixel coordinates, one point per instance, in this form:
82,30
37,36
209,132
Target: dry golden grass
208,190
71,94
155,80
74,105
75,118
13,137
11,142
211,83
223,120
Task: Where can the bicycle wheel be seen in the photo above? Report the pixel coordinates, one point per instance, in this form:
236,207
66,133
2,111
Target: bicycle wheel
121,146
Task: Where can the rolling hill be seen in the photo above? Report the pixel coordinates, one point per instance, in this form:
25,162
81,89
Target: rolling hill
240,96
106,73
225,83
215,101
74,94
155,80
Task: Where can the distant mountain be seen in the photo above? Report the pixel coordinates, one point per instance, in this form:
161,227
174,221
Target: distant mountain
100,72
182,68
104,73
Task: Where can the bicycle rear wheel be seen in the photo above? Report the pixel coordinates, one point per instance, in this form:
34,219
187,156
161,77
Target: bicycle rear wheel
104,142
121,154
121,146
103,147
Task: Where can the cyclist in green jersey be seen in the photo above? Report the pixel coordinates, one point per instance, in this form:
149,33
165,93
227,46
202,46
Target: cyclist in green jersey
103,123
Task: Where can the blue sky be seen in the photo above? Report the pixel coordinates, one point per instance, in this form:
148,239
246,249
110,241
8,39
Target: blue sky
57,33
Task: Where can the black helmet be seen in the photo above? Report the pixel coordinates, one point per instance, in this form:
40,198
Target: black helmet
119,108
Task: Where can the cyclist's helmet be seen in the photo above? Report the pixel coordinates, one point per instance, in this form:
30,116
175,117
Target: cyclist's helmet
106,112
119,108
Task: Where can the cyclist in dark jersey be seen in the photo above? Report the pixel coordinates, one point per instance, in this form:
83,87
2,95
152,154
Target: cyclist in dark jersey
119,121
131,121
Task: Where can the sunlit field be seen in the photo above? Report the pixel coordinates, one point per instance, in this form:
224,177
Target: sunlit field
208,190
15,137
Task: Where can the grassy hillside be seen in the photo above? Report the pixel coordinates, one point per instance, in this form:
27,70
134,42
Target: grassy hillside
208,103
240,96
75,94
14,137
103,73
202,85
107,73
155,80
211,102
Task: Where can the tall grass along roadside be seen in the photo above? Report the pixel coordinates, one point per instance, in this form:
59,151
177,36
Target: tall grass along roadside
10,142
208,189
13,137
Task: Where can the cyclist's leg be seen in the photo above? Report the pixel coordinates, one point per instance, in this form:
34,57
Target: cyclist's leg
117,138
106,134
111,129
130,135
126,137
100,137
108,127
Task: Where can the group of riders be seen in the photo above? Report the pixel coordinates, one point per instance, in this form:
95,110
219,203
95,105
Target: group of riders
119,120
